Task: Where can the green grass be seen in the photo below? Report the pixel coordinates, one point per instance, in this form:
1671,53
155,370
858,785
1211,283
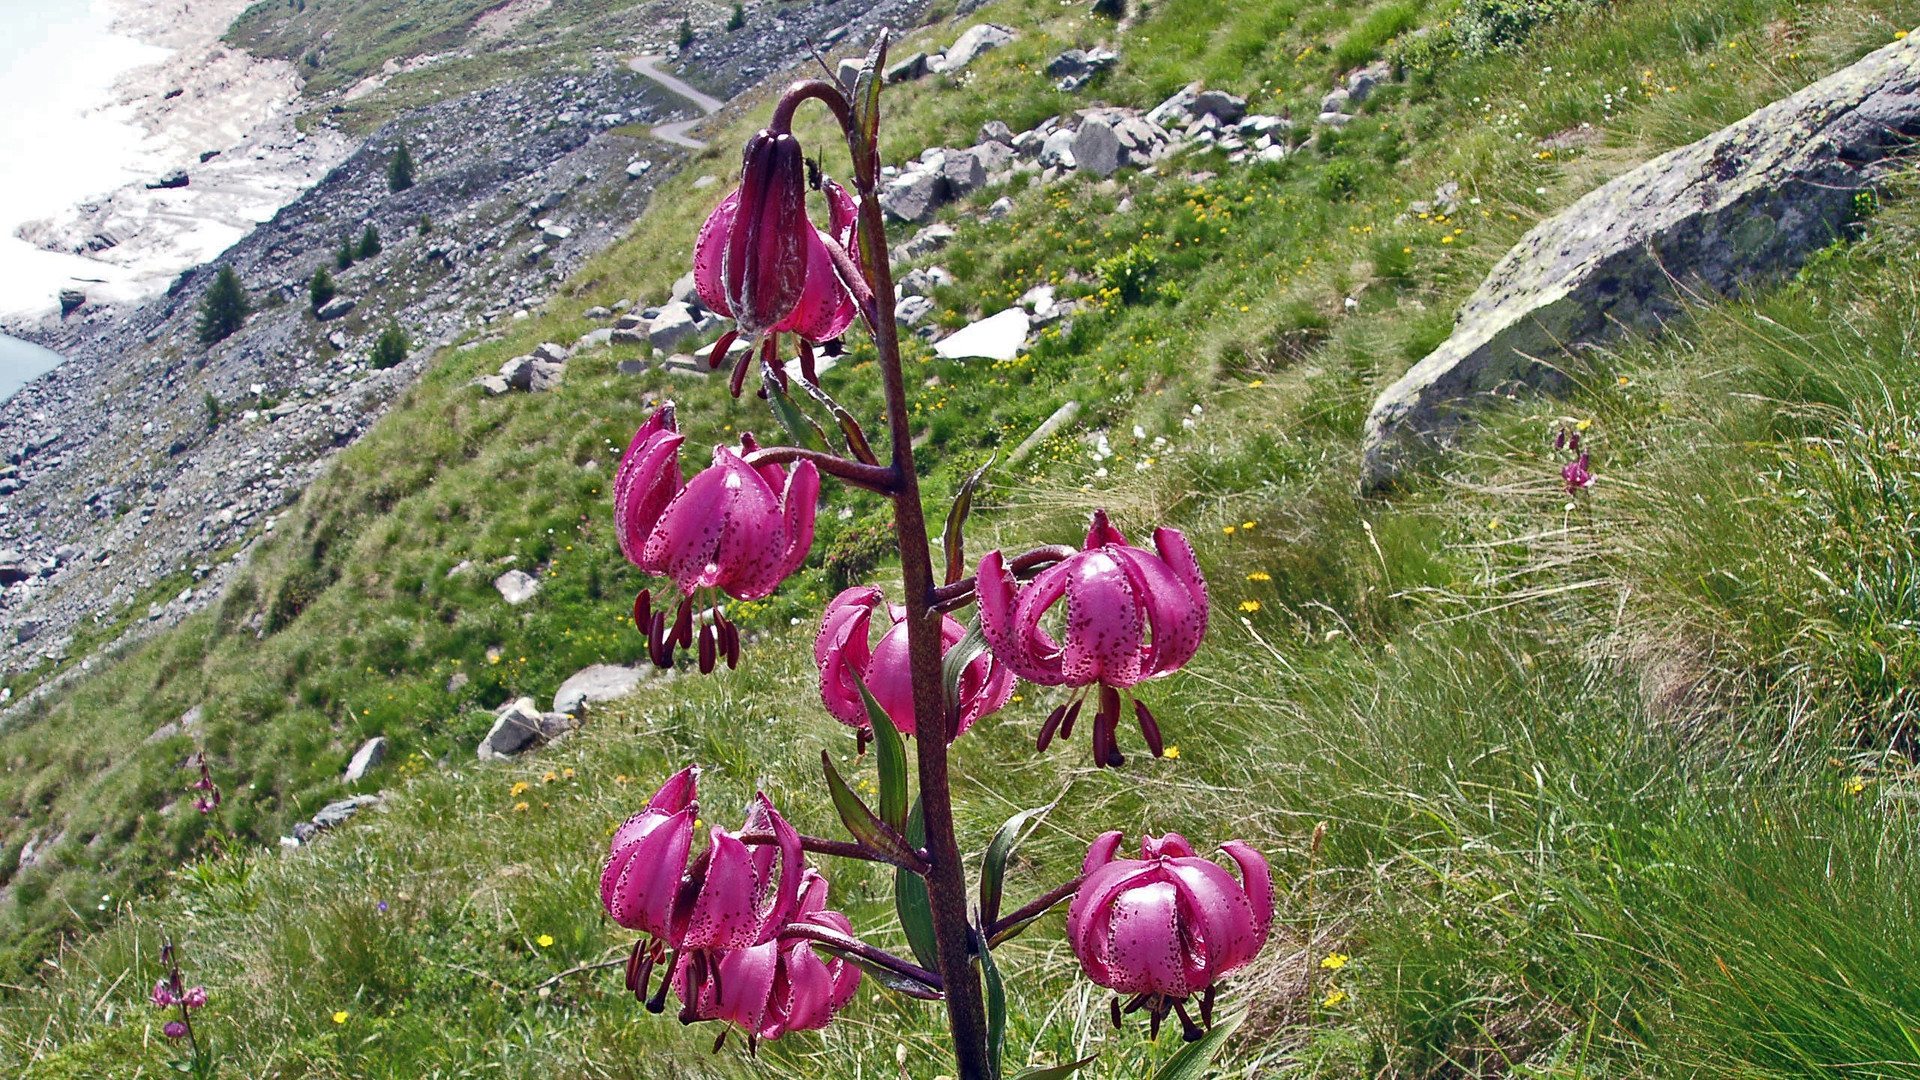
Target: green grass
1615,785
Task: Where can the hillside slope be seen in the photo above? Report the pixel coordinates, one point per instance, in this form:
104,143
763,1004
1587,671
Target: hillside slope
1615,783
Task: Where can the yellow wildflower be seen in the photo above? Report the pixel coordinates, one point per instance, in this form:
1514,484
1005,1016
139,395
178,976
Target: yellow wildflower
521,806
1172,752
1334,961
519,788
1259,575
340,1017
1335,999
1249,606
544,940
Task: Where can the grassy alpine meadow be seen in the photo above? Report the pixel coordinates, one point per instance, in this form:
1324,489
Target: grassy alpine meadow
1610,782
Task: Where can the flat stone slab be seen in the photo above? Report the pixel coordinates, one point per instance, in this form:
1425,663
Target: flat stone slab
1743,206
997,337
597,683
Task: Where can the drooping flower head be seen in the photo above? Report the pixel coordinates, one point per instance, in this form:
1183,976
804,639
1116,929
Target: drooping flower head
846,658
749,261
208,799
775,987
732,895
762,261
1577,475
1131,615
733,528
1168,925
174,1029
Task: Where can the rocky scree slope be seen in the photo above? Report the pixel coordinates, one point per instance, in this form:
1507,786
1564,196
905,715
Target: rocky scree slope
137,475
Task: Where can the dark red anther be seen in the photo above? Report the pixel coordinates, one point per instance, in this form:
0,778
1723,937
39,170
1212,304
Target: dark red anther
682,635
1047,729
643,610
707,650
639,971
731,641
1073,713
720,347
1149,728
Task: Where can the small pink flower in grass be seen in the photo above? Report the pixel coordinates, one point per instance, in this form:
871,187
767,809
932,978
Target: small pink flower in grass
1130,615
163,996
730,896
733,528
174,1029
195,997
846,658
773,988
209,798
1577,474
1168,925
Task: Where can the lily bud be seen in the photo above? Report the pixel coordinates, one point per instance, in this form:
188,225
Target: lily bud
750,260
843,651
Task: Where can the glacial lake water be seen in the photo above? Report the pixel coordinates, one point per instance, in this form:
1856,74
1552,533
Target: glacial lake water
21,361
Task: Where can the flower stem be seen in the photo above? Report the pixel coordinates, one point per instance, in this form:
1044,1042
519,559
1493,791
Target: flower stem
947,883
1034,910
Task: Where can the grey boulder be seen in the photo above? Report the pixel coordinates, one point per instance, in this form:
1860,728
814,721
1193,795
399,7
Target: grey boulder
1742,206
597,683
517,586
1096,149
371,753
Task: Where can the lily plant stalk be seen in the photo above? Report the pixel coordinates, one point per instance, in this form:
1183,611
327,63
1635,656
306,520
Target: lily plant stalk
741,930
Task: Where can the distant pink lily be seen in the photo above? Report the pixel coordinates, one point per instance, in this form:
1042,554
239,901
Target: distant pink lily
1168,925
732,528
1131,615
846,659
730,896
775,987
1577,474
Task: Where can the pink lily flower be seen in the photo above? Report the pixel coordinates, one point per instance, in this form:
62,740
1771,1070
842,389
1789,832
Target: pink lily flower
773,988
1168,925
1131,615
846,659
174,1029
811,300
732,528
195,997
730,896
163,996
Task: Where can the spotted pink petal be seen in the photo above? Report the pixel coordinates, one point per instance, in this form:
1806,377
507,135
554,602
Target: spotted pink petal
757,571
825,308
1258,885
709,254
841,652
648,479
642,878
721,913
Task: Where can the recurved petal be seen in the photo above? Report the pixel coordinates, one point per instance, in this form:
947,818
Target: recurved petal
1102,851
675,795
642,878
1041,658
994,588
889,678
709,254
751,532
683,544
1259,885
1171,846
1219,920
647,481
792,538
824,309
841,651
1101,532
745,986
778,901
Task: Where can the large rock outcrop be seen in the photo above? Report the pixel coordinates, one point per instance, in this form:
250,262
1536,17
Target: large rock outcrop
1744,205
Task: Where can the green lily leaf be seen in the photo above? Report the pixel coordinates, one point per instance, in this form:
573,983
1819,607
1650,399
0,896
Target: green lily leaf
891,755
1056,1072
910,900
876,835
954,538
952,665
805,432
886,976
996,1011
993,865
1192,1061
